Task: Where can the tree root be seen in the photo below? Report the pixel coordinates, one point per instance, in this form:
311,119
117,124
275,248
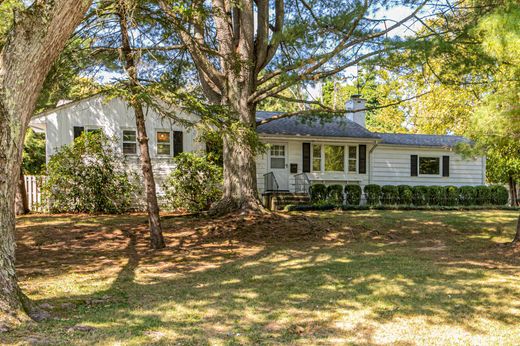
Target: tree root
227,205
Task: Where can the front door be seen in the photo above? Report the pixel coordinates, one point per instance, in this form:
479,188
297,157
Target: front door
278,165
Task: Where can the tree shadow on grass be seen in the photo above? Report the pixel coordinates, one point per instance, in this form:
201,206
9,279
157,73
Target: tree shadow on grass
236,287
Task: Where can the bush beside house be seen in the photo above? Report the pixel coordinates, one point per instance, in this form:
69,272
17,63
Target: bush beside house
88,176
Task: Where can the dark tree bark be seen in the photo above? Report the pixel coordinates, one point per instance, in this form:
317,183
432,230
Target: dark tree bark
37,37
154,221
21,201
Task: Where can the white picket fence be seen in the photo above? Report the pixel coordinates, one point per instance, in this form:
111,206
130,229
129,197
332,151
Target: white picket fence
33,186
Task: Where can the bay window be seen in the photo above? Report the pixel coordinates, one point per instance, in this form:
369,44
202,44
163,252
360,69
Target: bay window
352,159
334,158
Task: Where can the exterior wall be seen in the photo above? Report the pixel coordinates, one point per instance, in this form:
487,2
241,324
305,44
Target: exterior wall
390,165
386,165
113,117
295,156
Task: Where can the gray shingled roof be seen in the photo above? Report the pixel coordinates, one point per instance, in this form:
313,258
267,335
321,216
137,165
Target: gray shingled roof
340,126
421,140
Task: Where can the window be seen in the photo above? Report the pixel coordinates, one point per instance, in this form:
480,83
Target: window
164,143
352,159
278,156
316,157
429,165
94,130
129,142
334,158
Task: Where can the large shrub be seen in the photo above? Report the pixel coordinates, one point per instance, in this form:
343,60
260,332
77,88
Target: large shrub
436,195
194,184
420,195
353,194
499,195
373,194
467,195
88,176
451,195
335,194
405,194
390,194
318,193
482,195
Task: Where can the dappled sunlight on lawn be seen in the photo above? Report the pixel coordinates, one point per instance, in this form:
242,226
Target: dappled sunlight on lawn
373,277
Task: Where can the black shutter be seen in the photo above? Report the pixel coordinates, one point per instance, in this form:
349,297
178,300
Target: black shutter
177,143
78,130
445,166
362,169
413,165
306,151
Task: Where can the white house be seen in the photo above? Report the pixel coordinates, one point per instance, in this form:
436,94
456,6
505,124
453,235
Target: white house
302,151
116,119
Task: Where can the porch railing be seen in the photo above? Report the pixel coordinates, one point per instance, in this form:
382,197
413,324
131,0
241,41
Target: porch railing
302,183
270,183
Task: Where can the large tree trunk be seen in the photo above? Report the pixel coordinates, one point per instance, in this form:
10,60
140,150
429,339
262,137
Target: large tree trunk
36,39
239,160
513,191
154,221
21,201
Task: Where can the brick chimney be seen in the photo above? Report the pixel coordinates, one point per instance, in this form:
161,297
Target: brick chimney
356,103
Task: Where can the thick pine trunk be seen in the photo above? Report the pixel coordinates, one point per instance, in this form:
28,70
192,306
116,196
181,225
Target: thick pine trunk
154,221
516,239
239,160
33,44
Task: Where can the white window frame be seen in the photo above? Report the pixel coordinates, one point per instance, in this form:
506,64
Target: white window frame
322,157
348,159
429,157
285,154
123,129
157,143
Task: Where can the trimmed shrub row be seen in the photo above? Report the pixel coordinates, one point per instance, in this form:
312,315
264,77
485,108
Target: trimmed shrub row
326,206
409,195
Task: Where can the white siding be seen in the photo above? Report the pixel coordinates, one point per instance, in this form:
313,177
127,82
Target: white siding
113,117
390,165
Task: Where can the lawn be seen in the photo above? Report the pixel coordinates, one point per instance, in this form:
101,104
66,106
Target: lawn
332,278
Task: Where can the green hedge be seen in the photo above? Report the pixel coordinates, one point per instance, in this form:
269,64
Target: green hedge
451,195
318,192
335,194
373,194
498,195
420,195
318,207
353,194
436,195
482,195
390,195
405,194
467,195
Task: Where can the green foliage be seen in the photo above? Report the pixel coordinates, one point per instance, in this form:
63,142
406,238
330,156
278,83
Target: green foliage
34,153
390,194
335,194
353,194
405,194
328,206
88,176
467,195
420,195
318,192
194,184
373,194
436,195
482,195
499,195
452,195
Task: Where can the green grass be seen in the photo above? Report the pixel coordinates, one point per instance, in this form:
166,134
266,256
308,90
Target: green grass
324,278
